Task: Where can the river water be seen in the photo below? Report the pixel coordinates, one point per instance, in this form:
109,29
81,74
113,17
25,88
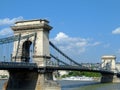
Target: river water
89,85
80,85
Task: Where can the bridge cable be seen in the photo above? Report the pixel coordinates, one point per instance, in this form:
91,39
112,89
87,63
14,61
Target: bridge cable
14,38
58,59
34,42
18,46
63,53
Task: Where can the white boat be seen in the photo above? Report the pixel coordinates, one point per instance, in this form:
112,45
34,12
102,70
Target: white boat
83,78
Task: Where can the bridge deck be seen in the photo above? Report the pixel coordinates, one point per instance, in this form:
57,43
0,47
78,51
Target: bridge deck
33,67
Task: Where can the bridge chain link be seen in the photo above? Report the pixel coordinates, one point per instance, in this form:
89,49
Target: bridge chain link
15,38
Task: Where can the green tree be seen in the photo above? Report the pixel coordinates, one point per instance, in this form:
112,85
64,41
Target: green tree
82,73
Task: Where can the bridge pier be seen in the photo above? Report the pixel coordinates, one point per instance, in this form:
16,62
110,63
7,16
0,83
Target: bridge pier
31,81
108,63
39,45
109,78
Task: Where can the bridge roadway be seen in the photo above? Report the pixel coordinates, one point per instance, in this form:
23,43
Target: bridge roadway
33,67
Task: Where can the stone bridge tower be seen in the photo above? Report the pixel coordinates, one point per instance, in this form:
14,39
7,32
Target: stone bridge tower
39,43
37,33
108,63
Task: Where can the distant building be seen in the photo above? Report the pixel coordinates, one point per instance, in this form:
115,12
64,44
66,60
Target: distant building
4,72
61,72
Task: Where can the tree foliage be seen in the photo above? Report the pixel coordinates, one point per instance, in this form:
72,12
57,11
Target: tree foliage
82,73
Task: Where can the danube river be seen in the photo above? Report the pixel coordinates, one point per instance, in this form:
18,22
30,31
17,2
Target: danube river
89,85
78,85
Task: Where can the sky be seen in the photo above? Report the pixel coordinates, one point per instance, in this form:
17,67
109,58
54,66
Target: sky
83,29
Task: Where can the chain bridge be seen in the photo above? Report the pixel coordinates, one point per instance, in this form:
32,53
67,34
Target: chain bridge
31,58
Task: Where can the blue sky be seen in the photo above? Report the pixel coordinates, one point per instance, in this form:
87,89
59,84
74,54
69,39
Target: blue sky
84,29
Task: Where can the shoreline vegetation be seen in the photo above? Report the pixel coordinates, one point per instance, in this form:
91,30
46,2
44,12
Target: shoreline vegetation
4,77
93,75
81,73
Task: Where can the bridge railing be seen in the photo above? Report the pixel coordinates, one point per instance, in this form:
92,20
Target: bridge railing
6,52
6,46
60,63
17,65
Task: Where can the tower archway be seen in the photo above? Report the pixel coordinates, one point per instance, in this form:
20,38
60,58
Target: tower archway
26,51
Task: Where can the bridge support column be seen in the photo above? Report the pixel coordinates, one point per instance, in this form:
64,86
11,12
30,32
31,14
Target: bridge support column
109,78
108,63
31,81
39,45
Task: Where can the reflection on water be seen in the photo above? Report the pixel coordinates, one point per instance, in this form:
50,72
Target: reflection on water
105,86
1,83
80,85
71,85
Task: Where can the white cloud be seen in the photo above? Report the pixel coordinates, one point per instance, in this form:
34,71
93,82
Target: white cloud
61,36
73,45
116,31
8,21
6,31
95,44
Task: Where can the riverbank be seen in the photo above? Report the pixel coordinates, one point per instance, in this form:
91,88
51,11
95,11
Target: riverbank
4,78
78,78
